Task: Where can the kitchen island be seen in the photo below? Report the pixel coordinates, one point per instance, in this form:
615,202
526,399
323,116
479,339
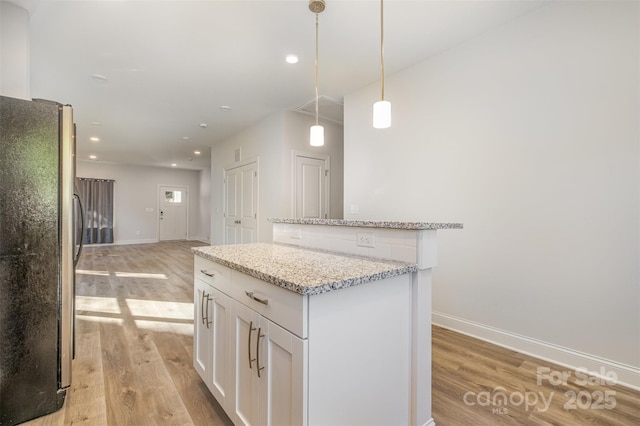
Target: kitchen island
330,324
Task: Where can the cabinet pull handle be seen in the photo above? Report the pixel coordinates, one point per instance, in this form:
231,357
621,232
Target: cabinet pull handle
204,294
258,351
256,298
251,328
209,274
207,310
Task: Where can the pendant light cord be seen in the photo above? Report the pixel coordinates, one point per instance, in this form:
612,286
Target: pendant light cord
382,47
316,69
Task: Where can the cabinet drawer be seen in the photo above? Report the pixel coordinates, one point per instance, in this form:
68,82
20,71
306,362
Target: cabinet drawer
212,273
284,307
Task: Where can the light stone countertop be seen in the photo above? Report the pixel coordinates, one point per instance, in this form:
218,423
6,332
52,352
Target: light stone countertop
303,271
369,223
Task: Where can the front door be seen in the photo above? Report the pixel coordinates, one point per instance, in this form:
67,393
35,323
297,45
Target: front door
173,212
241,204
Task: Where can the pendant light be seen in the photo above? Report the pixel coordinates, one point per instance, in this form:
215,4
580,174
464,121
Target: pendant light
382,108
316,133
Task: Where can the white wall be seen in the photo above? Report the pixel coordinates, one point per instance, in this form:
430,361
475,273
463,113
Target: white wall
271,141
14,51
136,190
529,135
204,218
296,138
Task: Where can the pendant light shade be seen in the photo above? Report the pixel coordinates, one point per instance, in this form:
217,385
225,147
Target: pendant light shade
382,114
382,108
316,133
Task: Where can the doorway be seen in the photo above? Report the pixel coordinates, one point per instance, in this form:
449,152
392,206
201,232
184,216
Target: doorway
311,179
173,211
241,203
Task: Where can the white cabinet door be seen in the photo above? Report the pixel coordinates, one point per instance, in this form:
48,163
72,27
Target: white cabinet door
269,371
283,373
202,330
244,404
218,380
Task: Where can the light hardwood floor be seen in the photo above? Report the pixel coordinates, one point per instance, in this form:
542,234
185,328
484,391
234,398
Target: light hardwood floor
133,362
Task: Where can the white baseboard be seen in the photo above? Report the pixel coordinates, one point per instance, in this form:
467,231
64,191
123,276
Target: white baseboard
627,375
126,242
145,241
201,239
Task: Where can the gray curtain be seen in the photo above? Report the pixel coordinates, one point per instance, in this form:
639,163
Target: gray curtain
97,200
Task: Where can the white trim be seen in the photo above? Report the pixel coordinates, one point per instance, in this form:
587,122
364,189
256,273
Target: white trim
327,192
202,239
627,375
252,160
124,242
241,163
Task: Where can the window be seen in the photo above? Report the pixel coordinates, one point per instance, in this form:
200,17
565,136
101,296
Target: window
173,197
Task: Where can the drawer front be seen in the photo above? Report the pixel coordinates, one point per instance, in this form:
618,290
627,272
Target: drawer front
212,273
283,307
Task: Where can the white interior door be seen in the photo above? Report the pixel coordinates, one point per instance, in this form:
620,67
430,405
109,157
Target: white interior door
241,204
173,212
311,186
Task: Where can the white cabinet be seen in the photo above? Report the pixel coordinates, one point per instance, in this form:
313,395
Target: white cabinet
210,342
268,367
336,358
211,331
219,376
201,331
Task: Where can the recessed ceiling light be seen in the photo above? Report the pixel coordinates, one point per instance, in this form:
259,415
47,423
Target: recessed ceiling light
225,108
94,139
99,78
196,152
93,157
291,59
204,125
174,165
185,138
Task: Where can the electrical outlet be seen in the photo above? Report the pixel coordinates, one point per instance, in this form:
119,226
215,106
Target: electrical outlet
365,239
295,232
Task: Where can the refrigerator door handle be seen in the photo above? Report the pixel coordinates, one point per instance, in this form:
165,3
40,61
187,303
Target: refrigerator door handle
76,257
67,271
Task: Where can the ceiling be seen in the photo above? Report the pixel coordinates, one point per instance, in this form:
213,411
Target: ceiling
145,77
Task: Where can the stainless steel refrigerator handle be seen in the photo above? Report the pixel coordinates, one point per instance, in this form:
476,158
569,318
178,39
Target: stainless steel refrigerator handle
76,259
67,159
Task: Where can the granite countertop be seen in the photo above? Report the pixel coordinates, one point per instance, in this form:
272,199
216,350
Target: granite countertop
369,223
303,271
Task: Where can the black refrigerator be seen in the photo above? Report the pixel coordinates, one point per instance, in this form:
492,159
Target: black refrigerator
37,257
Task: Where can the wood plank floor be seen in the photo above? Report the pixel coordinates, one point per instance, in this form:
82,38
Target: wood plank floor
133,362
477,383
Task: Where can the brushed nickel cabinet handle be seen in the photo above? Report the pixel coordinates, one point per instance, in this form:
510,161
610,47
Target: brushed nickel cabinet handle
202,296
258,351
207,309
251,328
209,274
256,298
